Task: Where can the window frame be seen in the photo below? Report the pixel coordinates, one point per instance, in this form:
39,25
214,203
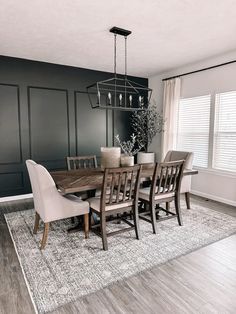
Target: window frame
211,142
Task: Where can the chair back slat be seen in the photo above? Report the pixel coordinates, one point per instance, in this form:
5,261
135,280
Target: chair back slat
112,186
79,162
159,185
167,178
175,178
131,187
118,188
125,185
171,178
120,185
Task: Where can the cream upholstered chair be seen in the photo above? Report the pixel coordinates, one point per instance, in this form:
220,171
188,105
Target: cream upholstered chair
185,188
49,204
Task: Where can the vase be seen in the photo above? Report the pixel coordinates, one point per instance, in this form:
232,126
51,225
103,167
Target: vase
145,158
110,157
126,161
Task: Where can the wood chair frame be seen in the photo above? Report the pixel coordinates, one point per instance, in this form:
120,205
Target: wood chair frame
166,179
46,229
77,162
80,162
123,186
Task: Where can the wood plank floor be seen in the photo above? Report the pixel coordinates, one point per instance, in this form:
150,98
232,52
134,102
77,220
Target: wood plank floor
201,282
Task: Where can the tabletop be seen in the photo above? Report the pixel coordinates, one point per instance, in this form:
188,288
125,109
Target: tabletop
72,181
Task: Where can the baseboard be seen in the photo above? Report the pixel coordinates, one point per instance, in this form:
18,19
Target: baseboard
214,198
15,197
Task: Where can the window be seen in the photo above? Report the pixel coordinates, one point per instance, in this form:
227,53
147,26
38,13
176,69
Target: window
193,126
224,149
208,129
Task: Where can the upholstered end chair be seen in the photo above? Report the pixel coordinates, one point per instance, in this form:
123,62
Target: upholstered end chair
49,204
185,188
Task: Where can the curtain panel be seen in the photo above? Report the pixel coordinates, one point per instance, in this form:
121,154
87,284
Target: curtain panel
170,112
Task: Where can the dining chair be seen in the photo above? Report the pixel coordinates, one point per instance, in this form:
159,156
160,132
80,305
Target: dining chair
78,162
165,188
119,194
185,188
49,204
82,162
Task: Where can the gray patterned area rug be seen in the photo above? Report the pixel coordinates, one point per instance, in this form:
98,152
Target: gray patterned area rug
71,267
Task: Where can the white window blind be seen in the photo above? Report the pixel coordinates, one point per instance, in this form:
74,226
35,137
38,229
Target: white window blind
224,149
193,128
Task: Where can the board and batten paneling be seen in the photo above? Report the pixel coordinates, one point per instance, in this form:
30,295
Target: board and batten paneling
90,133
10,138
49,124
45,115
10,125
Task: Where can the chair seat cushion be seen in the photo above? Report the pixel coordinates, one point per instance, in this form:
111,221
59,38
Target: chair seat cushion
145,194
95,204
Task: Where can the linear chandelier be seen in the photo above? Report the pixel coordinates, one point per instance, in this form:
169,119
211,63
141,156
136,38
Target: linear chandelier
119,92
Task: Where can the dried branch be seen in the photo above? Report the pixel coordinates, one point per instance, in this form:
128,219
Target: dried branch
146,124
128,147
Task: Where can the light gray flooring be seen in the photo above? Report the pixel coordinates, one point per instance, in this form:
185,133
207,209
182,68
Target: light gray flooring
201,282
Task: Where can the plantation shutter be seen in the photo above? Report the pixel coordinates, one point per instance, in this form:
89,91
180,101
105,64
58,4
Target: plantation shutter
224,149
193,128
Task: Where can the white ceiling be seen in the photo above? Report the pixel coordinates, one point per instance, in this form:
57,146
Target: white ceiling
165,33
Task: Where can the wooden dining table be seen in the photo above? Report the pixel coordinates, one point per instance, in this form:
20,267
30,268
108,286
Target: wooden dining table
89,179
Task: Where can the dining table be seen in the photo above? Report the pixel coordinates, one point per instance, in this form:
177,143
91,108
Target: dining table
90,179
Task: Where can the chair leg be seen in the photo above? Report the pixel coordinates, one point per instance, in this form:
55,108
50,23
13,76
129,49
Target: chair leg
153,217
177,208
136,222
103,232
86,225
36,223
187,199
167,207
45,236
118,218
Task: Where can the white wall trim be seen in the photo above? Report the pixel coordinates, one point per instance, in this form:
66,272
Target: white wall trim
213,197
216,172
15,197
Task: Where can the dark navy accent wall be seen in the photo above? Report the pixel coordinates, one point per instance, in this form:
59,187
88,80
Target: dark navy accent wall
45,115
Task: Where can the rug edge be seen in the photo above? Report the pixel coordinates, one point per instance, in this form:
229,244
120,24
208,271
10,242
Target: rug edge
116,281
22,269
141,271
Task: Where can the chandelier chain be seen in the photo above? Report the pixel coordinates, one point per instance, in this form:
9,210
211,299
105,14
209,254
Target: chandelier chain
115,35
125,56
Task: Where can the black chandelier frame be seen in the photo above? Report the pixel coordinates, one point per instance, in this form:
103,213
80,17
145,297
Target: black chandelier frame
119,92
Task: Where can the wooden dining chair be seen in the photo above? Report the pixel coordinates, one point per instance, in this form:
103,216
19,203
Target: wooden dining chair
165,188
78,162
119,194
81,162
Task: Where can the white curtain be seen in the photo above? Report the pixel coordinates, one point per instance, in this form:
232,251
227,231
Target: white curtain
170,111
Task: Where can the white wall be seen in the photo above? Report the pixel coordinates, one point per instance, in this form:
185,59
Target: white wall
212,184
